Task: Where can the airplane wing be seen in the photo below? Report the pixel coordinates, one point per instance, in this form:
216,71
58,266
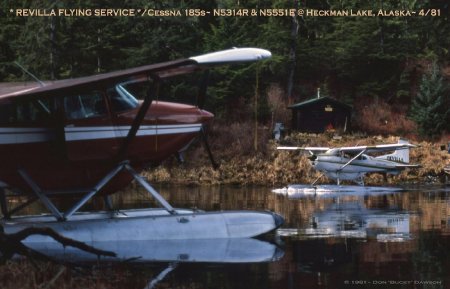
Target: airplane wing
376,148
311,150
159,70
352,150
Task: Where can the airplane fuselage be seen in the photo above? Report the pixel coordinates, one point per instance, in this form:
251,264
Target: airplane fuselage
334,166
68,148
87,131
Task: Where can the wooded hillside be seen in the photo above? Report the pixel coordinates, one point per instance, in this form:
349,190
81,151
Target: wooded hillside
362,61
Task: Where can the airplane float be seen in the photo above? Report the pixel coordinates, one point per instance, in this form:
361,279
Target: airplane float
90,136
352,163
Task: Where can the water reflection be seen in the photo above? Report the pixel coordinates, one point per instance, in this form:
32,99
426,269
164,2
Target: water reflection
333,191
392,235
328,242
189,251
354,220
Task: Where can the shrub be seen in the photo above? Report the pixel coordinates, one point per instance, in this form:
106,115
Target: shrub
431,107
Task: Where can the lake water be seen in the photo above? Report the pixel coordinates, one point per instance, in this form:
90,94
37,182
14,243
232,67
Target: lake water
354,238
360,239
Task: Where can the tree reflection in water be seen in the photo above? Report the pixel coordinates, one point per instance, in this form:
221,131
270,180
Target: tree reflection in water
397,237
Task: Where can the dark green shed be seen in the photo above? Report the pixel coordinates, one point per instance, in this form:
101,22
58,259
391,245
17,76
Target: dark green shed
320,114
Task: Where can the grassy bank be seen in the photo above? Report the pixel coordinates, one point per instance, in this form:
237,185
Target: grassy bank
244,161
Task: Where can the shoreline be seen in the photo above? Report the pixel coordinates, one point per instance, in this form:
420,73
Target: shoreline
269,167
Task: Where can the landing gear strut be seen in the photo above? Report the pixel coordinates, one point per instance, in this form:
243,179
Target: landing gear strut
89,193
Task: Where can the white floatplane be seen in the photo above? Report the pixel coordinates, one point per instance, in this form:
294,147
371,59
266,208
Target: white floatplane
89,137
352,163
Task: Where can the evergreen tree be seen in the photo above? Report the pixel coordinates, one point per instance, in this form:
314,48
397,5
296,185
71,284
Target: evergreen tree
431,107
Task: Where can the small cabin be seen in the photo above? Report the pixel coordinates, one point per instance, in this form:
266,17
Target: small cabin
320,114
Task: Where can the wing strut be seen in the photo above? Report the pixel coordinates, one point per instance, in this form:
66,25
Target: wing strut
138,119
202,90
350,161
207,148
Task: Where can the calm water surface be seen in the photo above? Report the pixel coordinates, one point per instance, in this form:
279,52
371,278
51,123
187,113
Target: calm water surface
390,239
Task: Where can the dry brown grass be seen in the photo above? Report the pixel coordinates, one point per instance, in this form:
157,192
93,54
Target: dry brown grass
378,117
241,164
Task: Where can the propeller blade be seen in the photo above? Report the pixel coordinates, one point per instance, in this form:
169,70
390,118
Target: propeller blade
208,149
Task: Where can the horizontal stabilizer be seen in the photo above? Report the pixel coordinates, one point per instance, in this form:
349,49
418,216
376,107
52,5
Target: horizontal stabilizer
406,166
401,153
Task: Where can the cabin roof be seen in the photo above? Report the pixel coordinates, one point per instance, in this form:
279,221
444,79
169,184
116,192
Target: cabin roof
312,101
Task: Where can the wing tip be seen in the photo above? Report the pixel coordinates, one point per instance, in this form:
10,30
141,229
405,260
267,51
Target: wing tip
246,54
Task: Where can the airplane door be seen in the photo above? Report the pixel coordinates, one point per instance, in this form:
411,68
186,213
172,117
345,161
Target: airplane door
89,133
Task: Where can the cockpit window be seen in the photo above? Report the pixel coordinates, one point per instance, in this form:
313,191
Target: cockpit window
85,105
121,99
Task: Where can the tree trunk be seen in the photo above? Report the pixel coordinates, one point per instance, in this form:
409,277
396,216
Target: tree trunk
292,53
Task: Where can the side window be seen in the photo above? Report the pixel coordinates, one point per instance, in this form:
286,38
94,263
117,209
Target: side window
7,113
25,111
85,105
362,157
28,112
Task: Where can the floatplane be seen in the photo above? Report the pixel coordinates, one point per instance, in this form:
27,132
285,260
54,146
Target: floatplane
90,137
353,163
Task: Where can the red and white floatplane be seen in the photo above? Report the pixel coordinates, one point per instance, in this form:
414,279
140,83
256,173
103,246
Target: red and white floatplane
90,137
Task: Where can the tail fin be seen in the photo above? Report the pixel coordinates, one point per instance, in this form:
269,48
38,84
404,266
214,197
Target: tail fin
399,155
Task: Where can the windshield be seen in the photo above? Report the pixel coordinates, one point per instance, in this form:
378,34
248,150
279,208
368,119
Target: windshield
121,99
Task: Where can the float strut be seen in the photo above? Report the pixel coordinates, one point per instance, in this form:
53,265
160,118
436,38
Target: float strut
315,181
47,203
90,193
161,276
95,190
150,189
108,202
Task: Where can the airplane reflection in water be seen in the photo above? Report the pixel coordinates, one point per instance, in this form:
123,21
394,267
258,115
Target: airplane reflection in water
354,220
245,250
226,250
331,191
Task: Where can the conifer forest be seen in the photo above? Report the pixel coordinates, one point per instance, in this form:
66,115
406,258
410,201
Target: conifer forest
387,61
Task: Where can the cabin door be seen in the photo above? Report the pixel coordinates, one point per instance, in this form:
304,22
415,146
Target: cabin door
88,130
